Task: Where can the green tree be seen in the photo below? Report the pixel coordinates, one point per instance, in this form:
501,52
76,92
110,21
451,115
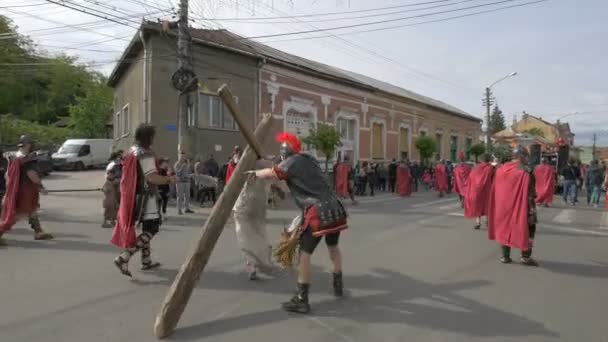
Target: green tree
11,128
324,138
477,150
535,132
89,114
426,146
502,153
497,121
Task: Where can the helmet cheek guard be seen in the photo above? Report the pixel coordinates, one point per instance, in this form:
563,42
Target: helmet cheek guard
286,151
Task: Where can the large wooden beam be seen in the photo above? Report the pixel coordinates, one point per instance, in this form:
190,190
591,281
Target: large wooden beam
179,293
228,98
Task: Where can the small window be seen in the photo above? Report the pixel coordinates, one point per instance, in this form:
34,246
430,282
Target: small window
117,126
212,109
126,120
85,150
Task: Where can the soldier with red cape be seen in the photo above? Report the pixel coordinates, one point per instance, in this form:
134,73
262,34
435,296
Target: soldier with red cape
404,180
461,175
322,215
512,214
477,194
343,180
23,186
545,183
441,178
139,203
236,155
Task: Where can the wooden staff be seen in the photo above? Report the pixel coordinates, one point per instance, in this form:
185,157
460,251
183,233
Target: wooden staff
180,291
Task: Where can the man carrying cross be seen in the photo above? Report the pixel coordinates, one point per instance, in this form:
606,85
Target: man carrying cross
323,215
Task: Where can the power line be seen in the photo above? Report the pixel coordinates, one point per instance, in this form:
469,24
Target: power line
20,6
380,22
358,17
328,14
87,10
407,25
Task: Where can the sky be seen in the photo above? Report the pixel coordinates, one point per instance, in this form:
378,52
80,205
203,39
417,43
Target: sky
557,47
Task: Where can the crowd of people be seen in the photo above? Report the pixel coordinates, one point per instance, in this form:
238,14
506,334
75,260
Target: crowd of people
138,186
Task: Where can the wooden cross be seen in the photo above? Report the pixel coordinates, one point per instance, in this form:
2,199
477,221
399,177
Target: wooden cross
180,291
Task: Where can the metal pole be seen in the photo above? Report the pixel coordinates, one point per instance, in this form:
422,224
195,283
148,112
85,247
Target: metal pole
488,134
593,151
184,79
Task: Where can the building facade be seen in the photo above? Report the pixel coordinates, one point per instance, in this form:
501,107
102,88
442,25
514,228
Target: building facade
377,121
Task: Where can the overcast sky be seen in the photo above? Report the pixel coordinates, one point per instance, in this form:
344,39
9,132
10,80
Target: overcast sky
558,47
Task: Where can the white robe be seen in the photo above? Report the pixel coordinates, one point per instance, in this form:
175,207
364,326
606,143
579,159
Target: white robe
250,218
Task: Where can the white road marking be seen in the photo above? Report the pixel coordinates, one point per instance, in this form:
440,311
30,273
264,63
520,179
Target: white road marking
565,216
426,204
456,214
575,230
451,206
330,329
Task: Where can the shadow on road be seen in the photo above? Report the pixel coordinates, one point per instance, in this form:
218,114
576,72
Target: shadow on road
399,302
581,270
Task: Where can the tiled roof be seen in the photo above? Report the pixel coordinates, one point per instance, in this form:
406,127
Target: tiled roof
228,40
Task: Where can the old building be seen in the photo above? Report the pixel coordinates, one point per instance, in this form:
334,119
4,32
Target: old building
377,120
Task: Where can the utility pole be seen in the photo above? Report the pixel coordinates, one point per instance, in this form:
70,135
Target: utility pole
184,79
487,102
593,150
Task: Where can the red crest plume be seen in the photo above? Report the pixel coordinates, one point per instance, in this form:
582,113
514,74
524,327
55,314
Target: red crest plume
291,140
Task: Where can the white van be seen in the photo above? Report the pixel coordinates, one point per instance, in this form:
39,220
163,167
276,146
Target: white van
80,154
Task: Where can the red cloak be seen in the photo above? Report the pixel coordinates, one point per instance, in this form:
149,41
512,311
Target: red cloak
22,198
404,181
342,171
508,214
230,170
123,235
9,204
461,175
477,196
545,183
441,178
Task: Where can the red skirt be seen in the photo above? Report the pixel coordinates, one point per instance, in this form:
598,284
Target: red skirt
28,199
312,221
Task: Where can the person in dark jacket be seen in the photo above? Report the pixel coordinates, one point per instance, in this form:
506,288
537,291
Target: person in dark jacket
571,175
392,175
593,182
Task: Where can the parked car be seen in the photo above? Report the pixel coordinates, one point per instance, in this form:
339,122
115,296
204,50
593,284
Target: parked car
80,154
45,163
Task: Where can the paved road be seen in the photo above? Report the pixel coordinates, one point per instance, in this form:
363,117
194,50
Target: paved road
415,269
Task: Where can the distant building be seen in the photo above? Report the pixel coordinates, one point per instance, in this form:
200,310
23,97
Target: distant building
523,132
378,121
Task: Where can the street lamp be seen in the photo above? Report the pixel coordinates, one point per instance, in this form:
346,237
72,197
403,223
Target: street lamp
488,103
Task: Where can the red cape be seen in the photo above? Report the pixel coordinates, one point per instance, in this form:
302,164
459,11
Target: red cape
441,178
404,181
123,235
9,205
477,196
230,170
342,180
545,183
461,175
508,214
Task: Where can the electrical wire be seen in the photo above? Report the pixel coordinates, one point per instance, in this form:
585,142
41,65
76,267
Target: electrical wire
407,25
379,22
328,14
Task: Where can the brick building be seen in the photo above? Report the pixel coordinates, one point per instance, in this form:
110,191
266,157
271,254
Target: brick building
378,121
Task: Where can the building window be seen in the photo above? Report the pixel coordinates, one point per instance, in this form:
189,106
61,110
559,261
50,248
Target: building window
454,148
404,142
126,120
423,133
377,140
117,125
347,128
213,109
439,138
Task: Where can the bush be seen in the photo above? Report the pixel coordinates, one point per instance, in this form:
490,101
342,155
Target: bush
12,128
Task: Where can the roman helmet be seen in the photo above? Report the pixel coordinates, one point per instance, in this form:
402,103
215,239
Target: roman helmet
290,145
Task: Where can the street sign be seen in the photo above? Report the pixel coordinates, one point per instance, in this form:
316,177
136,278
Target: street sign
171,128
